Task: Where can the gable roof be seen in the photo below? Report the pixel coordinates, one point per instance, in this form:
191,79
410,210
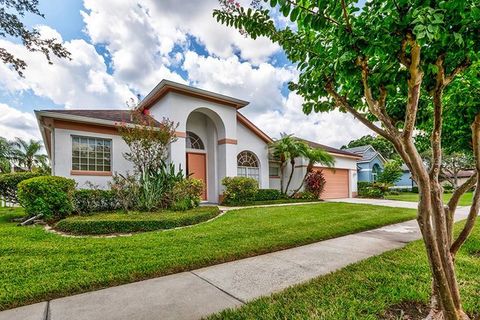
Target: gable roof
166,86
367,152
335,151
247,123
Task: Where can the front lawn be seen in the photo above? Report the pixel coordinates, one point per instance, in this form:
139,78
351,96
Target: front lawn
36,265
366,290
465,200
276,201
123,222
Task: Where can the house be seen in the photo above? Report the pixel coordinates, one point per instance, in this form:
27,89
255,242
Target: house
371,163
406,182
214,141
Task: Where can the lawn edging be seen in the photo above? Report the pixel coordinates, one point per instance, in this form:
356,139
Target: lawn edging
108,224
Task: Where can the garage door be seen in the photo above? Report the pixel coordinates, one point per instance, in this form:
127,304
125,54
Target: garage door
336,185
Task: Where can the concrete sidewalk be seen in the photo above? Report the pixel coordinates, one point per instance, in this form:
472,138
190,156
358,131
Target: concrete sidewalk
195,294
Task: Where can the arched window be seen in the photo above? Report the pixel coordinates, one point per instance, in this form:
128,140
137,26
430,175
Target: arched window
376,170
194,142
247,165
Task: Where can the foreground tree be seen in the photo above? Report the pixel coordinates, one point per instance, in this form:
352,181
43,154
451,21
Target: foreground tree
387,63
11,12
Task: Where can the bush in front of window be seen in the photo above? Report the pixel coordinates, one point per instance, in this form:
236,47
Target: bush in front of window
239,190
9,184
87,201
49,196
267,195
186,194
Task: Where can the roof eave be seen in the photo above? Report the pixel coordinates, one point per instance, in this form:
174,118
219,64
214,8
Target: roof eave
166,86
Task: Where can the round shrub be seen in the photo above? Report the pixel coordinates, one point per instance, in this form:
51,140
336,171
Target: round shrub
9,184
50,196
239,190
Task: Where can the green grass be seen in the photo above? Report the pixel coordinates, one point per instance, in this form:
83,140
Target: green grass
36,265
366,289
122,222
465,200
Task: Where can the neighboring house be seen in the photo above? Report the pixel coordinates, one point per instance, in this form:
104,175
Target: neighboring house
406,181
371,163
462,177
214,141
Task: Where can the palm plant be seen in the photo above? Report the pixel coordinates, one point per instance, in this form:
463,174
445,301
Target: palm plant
27,153
286,149
315,156
6,149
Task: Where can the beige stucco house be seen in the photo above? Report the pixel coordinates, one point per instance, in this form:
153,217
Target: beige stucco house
214,141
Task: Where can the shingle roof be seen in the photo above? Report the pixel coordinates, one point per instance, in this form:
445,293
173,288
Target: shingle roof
329,149
108,114
367,152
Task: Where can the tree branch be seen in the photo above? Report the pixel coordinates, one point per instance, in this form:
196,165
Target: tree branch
458,69
414,82
342,102
472,215
345,16
437,119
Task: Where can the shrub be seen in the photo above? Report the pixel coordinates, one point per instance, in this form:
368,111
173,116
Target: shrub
415,189
306,195
315,183
372,190
110,223
94,200
9,184
126,189
239,190
267,194
49,195
186,194
392,172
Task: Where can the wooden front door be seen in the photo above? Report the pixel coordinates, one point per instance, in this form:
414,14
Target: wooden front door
197,168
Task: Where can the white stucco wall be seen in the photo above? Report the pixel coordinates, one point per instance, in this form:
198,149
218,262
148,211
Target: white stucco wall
248,141
62,165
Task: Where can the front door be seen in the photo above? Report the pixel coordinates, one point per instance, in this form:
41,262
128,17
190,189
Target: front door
197,168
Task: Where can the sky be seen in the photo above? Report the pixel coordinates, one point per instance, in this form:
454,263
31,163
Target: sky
123,48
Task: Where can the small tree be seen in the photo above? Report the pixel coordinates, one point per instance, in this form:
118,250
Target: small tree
148,141
388,63
285,150
315,183
392,172
314,156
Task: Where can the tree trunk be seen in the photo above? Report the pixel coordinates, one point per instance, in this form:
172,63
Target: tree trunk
292,162
309,169
282,175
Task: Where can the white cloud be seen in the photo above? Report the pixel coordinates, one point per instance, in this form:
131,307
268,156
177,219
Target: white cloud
82,82
15,123
333,129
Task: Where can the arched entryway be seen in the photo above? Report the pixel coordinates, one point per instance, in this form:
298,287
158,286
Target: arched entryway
203,128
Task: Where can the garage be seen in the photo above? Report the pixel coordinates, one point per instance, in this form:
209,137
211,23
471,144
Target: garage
337,183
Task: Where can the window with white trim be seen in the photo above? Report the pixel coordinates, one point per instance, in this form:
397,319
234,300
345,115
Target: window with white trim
248,166
91,154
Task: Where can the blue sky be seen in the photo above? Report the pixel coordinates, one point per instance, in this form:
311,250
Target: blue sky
121,49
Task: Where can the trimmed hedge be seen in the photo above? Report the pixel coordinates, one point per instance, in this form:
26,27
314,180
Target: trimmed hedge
94,200
267,194
49,195
9,184
118,222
